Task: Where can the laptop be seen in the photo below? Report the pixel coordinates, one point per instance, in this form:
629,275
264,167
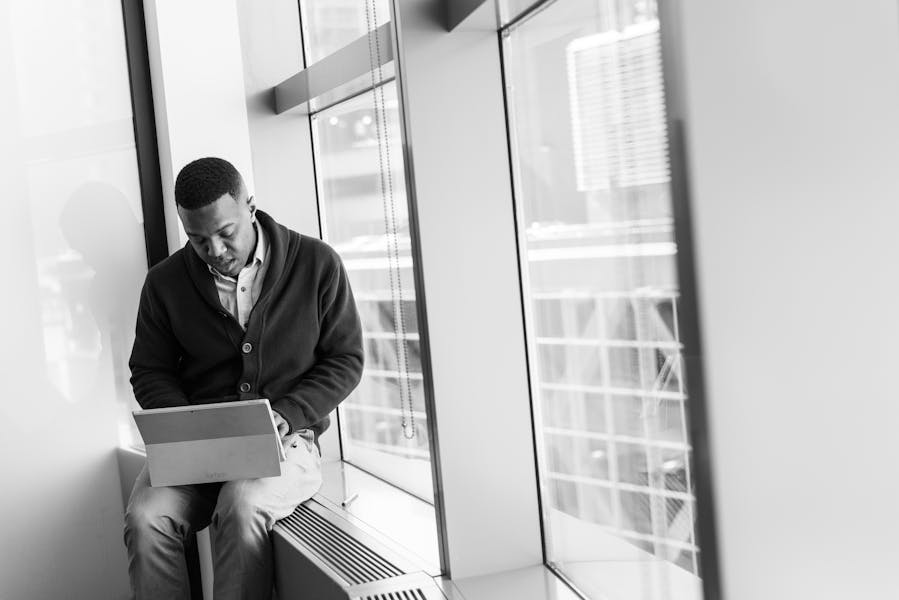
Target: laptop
205,443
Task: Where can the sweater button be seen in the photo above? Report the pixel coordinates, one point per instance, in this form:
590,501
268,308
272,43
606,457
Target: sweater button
244,387
247,348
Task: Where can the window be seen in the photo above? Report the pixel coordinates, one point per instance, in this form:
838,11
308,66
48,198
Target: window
79,205
362,196
329,25
590,159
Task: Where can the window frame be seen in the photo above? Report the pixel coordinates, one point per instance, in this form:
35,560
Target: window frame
687,315
144,117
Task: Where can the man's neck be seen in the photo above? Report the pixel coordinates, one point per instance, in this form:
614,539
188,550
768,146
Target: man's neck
252,256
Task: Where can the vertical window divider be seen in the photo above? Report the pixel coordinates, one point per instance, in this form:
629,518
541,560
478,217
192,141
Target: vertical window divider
420,296
521,253
144,119
688,321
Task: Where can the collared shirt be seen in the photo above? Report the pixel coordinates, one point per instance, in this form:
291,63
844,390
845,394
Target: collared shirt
238,295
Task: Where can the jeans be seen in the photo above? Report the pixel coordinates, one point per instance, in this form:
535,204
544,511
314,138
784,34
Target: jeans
240,514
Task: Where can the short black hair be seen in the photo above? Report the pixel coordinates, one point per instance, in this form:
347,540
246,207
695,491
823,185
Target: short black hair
205,180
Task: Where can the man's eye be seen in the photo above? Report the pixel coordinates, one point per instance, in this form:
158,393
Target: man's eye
228,234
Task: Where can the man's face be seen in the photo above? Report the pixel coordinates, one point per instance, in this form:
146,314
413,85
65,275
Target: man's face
222,233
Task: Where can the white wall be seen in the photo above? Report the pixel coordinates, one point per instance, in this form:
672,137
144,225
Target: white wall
794,109
198,91
281,145
74,258
453,103
214,64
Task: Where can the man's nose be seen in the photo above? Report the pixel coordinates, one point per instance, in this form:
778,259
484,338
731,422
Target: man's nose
216,248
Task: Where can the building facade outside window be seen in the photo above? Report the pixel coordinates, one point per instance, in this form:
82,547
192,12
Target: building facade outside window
586,102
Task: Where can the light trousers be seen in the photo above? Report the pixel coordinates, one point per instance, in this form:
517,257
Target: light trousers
240,514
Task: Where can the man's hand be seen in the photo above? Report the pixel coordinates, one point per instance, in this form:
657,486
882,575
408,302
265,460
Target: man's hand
282,425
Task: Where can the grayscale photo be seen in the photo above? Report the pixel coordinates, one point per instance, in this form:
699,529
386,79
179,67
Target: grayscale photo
449,299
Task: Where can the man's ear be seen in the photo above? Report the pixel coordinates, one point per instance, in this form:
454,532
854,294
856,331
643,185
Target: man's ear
251,204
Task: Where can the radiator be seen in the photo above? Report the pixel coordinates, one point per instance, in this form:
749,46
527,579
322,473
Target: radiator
321,556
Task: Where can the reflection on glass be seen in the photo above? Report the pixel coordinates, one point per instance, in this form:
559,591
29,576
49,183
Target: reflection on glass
586,104
78,214
329,25
509,10
383,422
352,87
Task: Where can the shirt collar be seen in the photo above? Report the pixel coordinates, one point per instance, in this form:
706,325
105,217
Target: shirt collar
261,244
259,255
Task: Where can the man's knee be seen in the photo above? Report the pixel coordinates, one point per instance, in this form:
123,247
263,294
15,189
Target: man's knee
241,506
147,518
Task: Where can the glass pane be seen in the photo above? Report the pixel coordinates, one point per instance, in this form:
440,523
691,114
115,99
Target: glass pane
511,9
352,87
78,230
384,422
587,118
329,25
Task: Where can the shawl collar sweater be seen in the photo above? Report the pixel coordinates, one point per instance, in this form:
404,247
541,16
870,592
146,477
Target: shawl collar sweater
302,348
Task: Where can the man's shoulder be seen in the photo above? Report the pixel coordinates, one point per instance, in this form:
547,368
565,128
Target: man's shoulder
316,247
319,256
168,270
300,251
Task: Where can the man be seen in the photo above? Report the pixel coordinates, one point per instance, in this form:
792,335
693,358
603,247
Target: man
247,309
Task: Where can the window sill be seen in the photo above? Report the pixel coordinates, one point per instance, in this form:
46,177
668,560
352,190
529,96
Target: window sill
530,583
408,523
602,565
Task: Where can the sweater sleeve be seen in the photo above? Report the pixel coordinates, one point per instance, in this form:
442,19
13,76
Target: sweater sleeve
339,353
155,356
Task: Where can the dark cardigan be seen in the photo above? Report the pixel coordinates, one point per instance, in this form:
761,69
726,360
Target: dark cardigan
302,348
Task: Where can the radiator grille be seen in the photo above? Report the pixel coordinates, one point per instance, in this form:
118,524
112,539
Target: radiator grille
353,561
416,594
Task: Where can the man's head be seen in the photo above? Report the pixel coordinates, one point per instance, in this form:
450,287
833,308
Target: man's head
217,213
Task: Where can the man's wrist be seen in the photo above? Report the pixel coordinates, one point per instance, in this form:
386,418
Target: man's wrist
290,428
